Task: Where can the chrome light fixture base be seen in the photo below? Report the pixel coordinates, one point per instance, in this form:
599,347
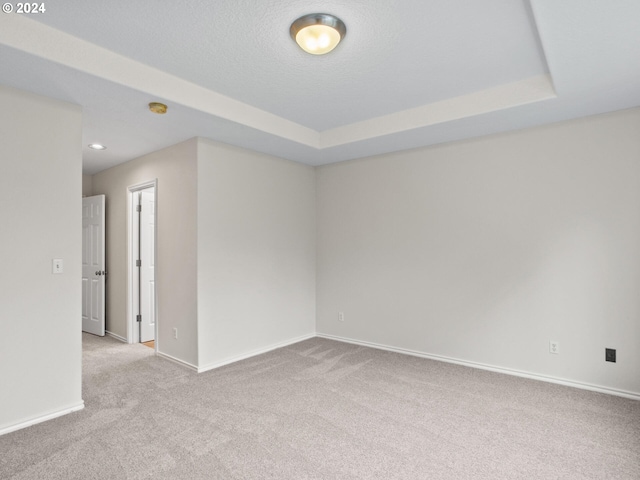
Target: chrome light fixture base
318,33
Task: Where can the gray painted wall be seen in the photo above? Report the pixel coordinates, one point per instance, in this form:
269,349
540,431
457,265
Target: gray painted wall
175,169
247,282
256,252
87,185
40,208
486,250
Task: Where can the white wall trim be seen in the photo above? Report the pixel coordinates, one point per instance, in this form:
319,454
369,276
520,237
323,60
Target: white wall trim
491,368
177,360
117,337
42,418
254,353
440,358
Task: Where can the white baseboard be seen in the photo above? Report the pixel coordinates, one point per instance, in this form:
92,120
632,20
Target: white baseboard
42,418
491,368
177,360
253,353
117,337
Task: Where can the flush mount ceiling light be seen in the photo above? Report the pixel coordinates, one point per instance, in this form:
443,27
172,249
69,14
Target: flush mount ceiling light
157,107
318,33
97,146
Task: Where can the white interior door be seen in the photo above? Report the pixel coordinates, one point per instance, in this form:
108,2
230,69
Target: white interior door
147,265
93,265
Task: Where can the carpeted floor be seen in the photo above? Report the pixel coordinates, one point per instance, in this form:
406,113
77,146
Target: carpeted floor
323,410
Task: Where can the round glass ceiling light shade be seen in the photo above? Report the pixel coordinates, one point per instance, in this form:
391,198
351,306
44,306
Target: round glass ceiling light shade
318,33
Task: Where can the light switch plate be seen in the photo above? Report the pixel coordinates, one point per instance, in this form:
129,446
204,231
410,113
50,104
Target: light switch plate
57,266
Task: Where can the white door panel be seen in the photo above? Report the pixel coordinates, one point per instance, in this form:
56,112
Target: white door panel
93,265
147,269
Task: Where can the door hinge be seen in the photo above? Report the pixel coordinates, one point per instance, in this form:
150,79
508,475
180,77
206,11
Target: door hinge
138,318
138,208
138,263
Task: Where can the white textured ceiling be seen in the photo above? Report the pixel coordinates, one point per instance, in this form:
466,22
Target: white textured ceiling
409,72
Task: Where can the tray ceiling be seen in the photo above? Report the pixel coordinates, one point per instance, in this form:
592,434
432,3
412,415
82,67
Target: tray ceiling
408,74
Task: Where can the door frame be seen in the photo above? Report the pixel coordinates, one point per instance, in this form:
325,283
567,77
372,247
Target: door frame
133,333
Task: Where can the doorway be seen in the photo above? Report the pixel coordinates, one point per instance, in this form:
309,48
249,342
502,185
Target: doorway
142,327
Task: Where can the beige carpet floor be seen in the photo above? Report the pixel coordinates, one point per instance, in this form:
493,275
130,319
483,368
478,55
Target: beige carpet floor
320,409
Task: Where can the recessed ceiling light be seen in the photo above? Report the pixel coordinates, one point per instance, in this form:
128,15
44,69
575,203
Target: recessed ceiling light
318,33
157,107
97,146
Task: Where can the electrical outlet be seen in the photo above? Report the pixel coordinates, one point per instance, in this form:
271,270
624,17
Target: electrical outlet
341,316
554,347
610,355
175,333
